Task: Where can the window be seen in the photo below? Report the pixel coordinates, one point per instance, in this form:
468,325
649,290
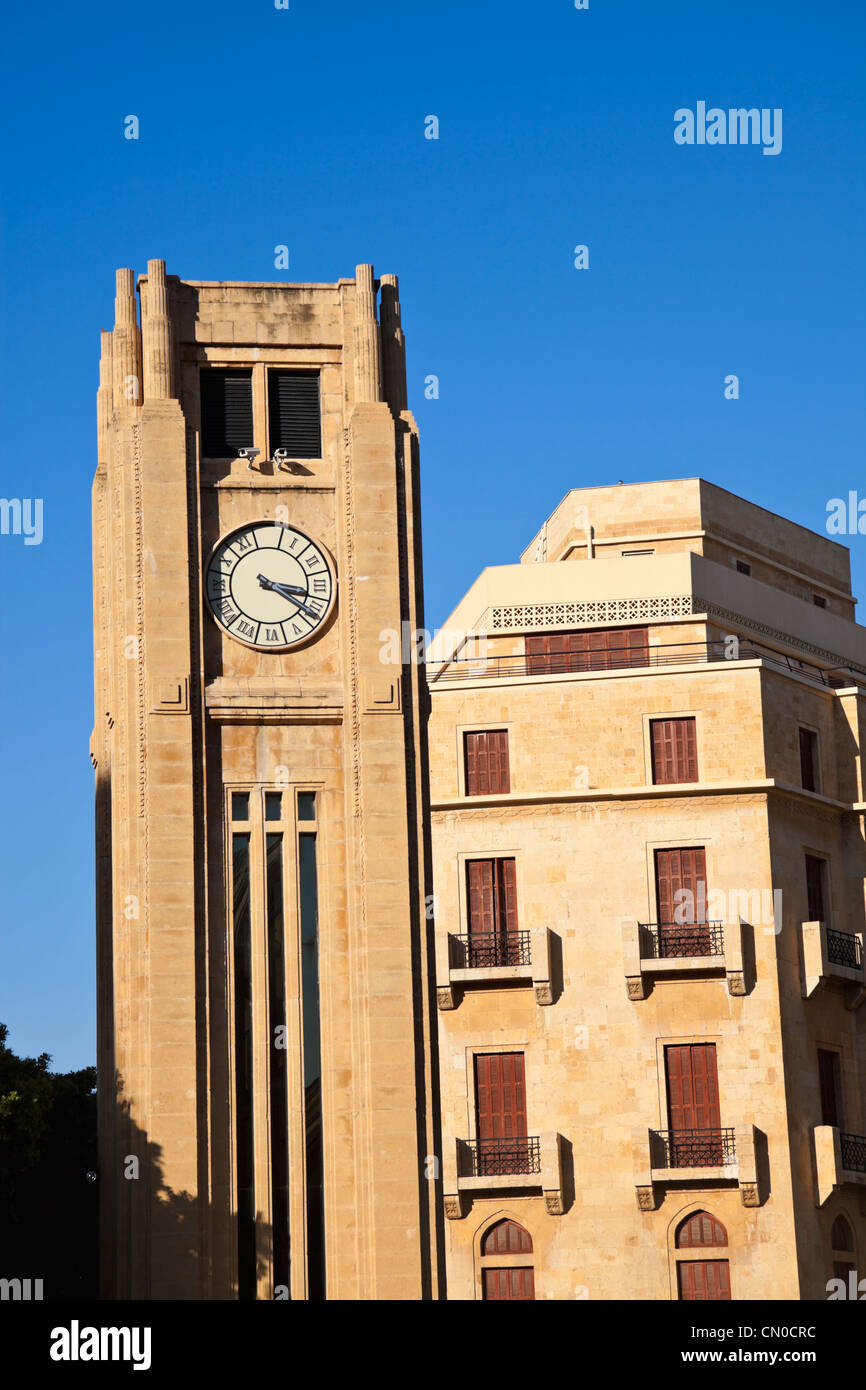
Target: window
226,412
506,1241
704,1281
629,554
743,567
491,898
809,762
486,762
500,1114
830,1084
842,1242
815,886
598,649
509,1284
294,414
819,601
700,1229
507,1238
681,897
695,1137
674,750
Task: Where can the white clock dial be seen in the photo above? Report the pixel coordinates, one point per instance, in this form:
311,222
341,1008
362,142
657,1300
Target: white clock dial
270,586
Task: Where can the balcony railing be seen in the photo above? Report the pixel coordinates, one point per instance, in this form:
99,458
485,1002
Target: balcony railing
484,949
618,658
499,1157
853,1152
844,948
669,940
698,1148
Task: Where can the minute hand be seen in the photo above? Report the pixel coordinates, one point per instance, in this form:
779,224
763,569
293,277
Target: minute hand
288,591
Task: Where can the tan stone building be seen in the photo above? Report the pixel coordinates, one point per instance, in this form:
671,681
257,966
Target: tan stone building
647,795
266,1091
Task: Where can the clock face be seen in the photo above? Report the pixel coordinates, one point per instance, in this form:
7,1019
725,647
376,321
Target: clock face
270,586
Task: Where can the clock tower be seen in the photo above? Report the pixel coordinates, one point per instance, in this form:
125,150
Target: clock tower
267,1091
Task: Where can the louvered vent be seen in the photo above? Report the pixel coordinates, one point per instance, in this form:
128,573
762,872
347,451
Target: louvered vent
295,416
226,412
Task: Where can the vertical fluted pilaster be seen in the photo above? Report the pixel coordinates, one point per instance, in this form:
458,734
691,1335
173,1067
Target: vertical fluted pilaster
393,345
368,376
157,336
126,352
104,396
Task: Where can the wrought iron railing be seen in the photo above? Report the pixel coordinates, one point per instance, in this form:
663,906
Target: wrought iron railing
853,1152
483,667
697,1148
489,1158
844,948
667,940
480,949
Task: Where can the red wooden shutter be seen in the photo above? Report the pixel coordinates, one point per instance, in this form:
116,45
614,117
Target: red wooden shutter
638,644
828,1076
674,750
507,1238
479,876
815,888
486,762
693,1087
513,1284
500,1094
704,1280
701,1229
506,914
681,870
500,772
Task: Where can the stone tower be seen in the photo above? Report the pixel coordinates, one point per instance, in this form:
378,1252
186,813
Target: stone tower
267,1071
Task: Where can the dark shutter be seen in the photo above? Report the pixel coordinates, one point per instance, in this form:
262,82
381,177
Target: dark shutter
828,1077
226,412
701,1229
596,649
294,413
674,750
508,1238
486,761
681,871
815,888
479,880
500,1095
703,1281
693,1087
512,1284
808,760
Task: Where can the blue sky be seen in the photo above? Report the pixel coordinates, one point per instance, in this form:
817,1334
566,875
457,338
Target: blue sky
305,127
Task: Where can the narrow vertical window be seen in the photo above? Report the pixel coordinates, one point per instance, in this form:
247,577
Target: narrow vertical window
809,760
278,1071
815,895
829,1080
246,1211
315,1204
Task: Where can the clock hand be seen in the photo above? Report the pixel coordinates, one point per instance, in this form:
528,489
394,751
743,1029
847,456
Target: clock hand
288,591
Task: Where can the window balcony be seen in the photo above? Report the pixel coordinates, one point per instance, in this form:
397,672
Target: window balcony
840,1159
524,1164
832,957
668,1158
471,959
671,950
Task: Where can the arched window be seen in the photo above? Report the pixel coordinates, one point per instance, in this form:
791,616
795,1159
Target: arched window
701,1280
507,1238
505,1272
700,1229
842,1237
